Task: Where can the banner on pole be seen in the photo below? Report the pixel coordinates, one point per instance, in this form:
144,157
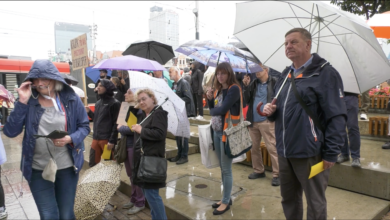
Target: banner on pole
79,49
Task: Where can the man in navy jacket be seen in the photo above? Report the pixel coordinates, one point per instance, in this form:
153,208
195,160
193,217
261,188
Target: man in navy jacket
300,142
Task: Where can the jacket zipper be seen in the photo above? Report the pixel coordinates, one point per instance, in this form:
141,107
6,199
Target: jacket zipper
313,131
284,112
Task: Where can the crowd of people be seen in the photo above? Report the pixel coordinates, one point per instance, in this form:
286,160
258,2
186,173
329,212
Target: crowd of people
305,126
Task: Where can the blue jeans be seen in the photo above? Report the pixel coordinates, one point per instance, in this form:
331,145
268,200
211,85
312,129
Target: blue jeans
226,166
182,148
352,103
55,200
157,209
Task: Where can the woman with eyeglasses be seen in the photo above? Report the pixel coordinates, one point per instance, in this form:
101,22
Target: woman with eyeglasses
152,132
46,103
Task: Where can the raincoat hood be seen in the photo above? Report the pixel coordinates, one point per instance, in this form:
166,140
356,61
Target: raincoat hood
110,87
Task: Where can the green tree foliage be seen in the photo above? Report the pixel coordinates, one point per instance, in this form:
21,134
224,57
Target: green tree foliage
367,8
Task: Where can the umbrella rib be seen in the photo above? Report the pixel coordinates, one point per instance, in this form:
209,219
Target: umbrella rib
311,17
332,35
319,25
330,43
288,22
156,52
326,25
350,63
295,15
273,53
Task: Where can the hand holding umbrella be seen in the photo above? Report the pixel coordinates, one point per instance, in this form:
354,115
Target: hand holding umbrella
270,108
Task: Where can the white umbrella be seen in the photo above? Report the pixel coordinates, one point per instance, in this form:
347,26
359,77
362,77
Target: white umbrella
343,39
178,123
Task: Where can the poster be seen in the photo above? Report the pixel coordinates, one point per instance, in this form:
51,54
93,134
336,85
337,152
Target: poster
79,49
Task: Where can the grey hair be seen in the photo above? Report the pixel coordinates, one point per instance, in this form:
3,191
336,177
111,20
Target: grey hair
176,69
58,86
265,67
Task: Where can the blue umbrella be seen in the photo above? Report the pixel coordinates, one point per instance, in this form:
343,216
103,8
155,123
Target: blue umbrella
211,53
94,74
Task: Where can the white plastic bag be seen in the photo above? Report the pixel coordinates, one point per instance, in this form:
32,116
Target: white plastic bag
209,156
239,158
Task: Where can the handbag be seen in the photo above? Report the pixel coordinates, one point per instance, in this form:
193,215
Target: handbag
152,169
49,173
238,136
120,151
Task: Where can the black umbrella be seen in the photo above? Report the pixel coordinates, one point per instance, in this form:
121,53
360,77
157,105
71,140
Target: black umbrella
71,78
152,50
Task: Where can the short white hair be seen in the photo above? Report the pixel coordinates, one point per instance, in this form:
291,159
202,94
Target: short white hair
58,86
176,69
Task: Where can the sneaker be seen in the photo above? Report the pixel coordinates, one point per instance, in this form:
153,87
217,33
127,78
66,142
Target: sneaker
174,159
128,205
275,181
199,117
135,210
182,160
386,145
363,116
256,175
356,163
3,213
342,158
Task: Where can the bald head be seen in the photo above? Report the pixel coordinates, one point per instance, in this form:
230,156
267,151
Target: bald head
174,73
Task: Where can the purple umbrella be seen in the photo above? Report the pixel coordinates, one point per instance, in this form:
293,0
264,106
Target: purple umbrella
129,62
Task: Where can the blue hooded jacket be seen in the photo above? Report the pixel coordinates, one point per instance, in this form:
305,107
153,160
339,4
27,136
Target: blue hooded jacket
29,116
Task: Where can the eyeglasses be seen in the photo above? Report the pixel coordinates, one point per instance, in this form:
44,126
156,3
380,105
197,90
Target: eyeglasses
40,87
142,99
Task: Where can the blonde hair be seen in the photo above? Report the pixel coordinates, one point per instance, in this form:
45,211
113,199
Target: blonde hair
148,92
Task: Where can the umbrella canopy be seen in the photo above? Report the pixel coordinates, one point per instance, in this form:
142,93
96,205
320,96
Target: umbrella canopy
175,106
152,50
7,99
70,77
343,39
95,189
129,62
94,74
212,53
381,25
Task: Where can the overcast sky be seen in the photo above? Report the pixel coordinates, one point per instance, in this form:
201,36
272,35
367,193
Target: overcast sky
27,28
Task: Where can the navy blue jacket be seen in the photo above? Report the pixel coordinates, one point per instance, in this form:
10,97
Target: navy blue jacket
321,88
29,116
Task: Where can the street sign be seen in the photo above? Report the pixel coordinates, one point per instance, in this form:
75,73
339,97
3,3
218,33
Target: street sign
79,50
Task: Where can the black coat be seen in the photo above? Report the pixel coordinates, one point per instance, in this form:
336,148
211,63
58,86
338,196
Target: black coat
183,90
250,94
153,134
196,81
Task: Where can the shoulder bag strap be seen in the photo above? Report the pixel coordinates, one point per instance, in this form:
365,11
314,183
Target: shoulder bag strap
304,106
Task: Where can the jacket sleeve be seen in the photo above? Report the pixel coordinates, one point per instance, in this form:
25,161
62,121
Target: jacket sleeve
330,99
158,129
82,124
91,114
200,79
186,90
248,93
125,130
114,111
16,120
232,96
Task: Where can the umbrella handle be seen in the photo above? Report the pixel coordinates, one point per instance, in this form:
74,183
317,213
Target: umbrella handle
260,104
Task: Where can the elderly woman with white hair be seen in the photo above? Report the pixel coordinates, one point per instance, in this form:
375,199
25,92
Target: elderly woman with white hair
51,166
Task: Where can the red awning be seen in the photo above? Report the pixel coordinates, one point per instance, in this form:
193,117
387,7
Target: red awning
24,66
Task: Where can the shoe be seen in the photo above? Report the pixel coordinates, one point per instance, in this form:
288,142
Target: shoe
386,145
174,159
199,117
256,175
3,213
216,212
128,205
216,205
135,210
356,163
342,158
363,116
182,160
275,181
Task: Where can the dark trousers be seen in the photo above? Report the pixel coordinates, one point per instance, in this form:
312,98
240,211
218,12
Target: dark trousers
55,200
137,196
182,147
294,174
198,100
352,103
365,102
2,196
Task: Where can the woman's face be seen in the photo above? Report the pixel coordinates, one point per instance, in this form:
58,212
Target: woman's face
145,102
222,77
129,97
44,86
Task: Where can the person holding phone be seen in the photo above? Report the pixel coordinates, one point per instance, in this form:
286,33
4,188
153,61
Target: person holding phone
46,103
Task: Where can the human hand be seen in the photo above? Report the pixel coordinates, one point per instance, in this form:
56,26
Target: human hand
328,165
210,94
246,80
110,146
87,109
137,128
123,81
24,92
62,141
119,126
269,109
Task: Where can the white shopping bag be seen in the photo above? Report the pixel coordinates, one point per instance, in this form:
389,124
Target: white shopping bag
209,156
239,158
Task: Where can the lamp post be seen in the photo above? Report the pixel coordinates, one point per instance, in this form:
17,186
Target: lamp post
196,13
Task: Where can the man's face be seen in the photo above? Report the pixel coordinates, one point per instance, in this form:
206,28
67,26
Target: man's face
172,74
261,74
296,46
158,74
101,89
103,74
